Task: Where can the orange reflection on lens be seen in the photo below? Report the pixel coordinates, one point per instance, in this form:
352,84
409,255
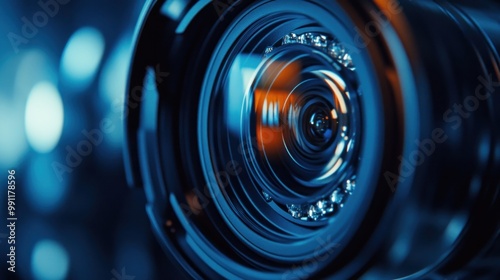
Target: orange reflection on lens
272,95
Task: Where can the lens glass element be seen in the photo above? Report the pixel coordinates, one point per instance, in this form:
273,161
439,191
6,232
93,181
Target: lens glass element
287,111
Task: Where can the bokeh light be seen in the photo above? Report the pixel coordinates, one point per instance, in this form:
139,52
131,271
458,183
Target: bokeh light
81,58
115,71
112,89
49,261
44,117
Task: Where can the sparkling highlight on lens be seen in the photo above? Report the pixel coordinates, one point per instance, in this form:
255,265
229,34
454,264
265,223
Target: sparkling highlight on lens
324,207
332,47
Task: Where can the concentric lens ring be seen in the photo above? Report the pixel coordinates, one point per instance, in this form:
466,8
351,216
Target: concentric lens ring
297,125
252,208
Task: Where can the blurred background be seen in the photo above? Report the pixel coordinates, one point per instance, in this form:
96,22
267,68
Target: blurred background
63,73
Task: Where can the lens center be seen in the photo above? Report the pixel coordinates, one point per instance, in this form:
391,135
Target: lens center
320,125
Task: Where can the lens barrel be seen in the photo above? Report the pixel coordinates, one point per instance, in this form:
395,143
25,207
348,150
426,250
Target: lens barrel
332,139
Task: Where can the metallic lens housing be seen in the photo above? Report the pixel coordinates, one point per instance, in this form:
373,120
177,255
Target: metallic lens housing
328,139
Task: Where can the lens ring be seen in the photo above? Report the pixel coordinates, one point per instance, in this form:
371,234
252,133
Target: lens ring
279,87
265,225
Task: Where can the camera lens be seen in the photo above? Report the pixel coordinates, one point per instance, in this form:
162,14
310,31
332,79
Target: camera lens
293,118
330,139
